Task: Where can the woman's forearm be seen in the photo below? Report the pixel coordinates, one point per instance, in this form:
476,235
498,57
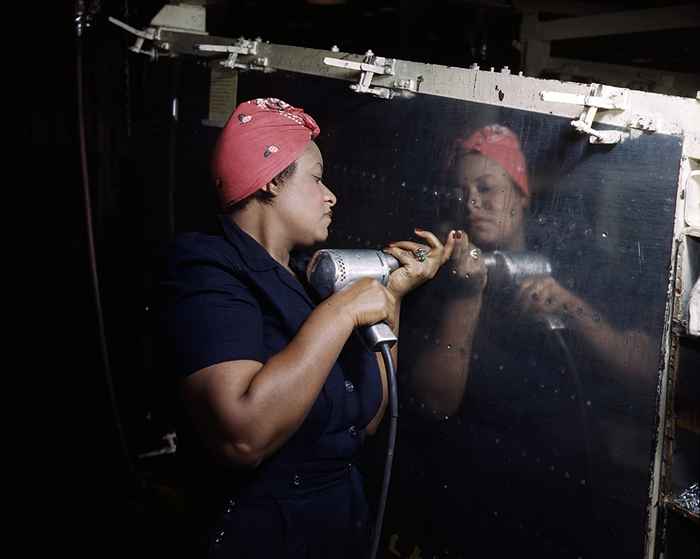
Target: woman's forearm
441,370
282,393
628,353
249,409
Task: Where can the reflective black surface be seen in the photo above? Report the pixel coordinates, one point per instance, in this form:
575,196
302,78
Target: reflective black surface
535,437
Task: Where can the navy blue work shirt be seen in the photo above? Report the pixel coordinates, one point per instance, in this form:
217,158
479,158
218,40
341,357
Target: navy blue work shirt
226,299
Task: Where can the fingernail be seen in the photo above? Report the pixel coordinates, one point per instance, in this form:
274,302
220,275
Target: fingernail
458,235
419,229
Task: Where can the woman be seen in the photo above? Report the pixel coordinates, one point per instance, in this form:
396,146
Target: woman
495,373
279,396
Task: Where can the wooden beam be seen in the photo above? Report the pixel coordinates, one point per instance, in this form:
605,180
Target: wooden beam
632,77
617,23
573,8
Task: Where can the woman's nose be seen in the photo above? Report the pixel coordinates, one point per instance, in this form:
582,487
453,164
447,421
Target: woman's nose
330,197
473,199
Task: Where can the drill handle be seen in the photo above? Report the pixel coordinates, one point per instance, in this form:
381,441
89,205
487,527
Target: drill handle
377,334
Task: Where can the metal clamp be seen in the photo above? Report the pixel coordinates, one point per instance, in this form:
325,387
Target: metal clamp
370,66
616,99
244,47
170,447
596,136
148,34
641,122
177,18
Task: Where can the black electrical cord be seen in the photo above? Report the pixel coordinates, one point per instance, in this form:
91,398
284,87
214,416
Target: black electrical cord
385,349
104,353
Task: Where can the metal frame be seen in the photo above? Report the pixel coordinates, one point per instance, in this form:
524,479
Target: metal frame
675,327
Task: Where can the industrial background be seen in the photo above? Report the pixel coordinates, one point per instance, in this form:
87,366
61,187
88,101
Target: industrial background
111,450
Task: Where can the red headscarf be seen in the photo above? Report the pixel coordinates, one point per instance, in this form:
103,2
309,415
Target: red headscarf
501,145
261,138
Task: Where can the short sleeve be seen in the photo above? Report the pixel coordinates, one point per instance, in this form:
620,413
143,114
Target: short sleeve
207,314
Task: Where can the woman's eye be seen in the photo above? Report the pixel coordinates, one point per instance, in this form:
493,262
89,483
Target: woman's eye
483,187
318,179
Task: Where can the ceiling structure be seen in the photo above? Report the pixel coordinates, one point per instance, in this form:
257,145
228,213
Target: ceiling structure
644,44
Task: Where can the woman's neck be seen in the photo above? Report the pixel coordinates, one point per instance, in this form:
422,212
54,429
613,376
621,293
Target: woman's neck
264,229
517,243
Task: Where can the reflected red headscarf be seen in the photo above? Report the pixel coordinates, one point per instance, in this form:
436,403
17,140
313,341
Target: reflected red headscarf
261,138
501,145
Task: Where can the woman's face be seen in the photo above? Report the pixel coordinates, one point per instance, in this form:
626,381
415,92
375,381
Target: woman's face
495,206
304,203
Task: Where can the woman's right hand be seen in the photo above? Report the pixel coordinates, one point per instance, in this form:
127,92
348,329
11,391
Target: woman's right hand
367,302
466,266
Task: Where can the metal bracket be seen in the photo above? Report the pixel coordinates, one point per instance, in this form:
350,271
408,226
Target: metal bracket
182,18
148,34
170,447
641,122
244,47
370,66
600,97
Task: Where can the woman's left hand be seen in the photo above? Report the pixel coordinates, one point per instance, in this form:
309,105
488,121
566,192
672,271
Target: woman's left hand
419,262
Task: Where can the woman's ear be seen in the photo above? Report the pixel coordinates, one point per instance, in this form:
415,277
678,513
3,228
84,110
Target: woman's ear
525,201
271,188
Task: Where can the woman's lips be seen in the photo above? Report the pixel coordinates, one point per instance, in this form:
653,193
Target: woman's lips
478,222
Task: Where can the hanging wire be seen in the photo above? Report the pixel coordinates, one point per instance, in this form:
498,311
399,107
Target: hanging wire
82,22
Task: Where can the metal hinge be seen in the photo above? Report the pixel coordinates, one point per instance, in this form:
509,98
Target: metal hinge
244,47
370,66
600,97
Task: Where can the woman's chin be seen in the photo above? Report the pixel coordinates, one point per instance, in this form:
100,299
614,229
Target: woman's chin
320,236
484,242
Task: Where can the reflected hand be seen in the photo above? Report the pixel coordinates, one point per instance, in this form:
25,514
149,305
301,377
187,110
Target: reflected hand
468,265
544,295
419,262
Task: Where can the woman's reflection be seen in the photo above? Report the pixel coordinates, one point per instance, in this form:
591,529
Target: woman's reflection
489,174
510,458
